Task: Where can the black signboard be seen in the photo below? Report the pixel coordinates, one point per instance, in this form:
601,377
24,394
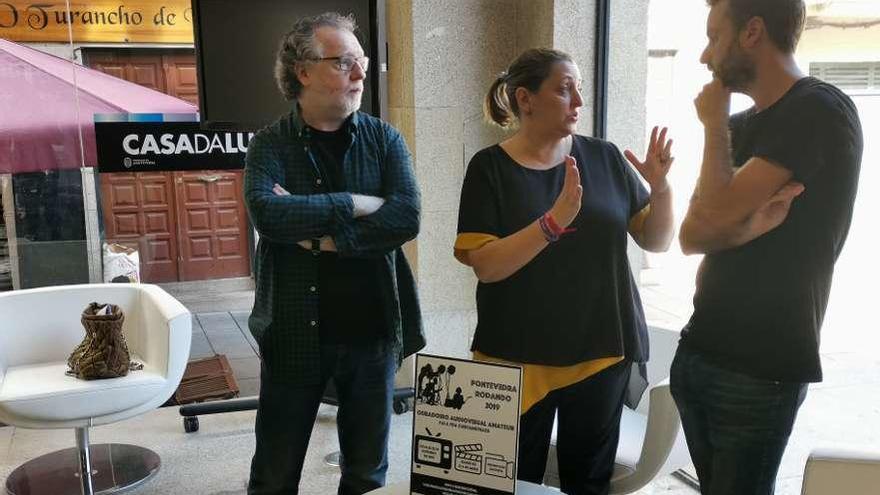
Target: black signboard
167,146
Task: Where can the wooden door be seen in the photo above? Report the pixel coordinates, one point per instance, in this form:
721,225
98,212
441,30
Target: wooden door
212,225
180,76
206,217
139,212
144,69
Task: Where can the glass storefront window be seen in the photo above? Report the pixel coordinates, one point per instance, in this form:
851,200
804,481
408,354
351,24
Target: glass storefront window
40,157
672,77
65,65
839,45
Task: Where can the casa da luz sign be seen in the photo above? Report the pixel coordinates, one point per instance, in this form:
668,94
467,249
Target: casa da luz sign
119,21
143,143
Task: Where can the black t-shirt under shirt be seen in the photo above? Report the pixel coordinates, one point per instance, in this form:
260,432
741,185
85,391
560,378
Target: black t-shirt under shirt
350,305
576,300
758,308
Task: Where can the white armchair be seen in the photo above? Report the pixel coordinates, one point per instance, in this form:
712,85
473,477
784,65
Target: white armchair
832,472
650,445
40,327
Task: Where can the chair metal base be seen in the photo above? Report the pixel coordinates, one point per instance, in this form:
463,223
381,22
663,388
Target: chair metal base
115,468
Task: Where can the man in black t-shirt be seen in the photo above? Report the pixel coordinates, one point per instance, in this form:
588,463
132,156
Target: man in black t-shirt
771,211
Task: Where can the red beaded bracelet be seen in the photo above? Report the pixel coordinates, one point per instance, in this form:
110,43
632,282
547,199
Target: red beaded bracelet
553,231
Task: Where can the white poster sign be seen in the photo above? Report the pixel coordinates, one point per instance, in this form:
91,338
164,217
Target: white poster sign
465,427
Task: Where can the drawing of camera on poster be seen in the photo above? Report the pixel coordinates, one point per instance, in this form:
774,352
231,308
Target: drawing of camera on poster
465,427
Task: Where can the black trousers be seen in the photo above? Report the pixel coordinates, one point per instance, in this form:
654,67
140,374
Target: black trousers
587,433
364,379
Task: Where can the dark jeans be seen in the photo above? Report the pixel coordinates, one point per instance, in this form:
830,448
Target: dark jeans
587,433
736,425
364,379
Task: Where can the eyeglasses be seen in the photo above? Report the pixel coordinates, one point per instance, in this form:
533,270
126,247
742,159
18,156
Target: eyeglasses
346,63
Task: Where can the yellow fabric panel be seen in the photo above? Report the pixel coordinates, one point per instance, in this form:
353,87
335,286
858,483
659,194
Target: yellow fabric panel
539,380
637,223
469,241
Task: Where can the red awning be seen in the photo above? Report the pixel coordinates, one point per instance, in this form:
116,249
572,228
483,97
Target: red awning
47,103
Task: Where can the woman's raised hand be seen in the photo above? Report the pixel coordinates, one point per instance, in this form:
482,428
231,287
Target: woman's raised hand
568,204
658,160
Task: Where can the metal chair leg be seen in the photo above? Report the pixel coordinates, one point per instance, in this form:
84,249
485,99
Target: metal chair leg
85,462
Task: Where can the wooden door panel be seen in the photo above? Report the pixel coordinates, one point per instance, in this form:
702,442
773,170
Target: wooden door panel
113,69
125,224
229,246
199,248
148,74
162,251
123,194
227,191
155,194
196,193
158,229
198,221
133,66
138,213
186,75
212,225
180,74
227,218
157,222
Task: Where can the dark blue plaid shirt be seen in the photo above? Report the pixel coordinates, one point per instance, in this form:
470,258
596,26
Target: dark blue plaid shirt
285,319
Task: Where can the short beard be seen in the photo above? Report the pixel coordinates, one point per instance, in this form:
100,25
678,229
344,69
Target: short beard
354,106
737,71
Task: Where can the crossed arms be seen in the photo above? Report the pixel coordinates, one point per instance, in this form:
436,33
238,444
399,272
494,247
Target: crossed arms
730,208
353,225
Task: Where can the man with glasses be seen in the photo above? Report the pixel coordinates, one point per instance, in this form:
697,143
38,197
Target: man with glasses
331,192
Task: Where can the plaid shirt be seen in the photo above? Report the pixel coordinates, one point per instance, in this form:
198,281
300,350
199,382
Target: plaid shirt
285,320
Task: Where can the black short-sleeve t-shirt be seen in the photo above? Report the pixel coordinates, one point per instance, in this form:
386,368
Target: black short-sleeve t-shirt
576,300
758,308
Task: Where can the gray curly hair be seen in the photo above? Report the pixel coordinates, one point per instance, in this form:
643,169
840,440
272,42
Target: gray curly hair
299,47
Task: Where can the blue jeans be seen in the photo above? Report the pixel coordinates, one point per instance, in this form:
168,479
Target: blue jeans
736,425
364,380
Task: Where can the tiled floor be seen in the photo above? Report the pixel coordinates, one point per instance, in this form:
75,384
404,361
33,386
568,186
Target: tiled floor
215,460
225,332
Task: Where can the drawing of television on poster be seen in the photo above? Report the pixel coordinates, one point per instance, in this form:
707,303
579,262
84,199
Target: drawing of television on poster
465,427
